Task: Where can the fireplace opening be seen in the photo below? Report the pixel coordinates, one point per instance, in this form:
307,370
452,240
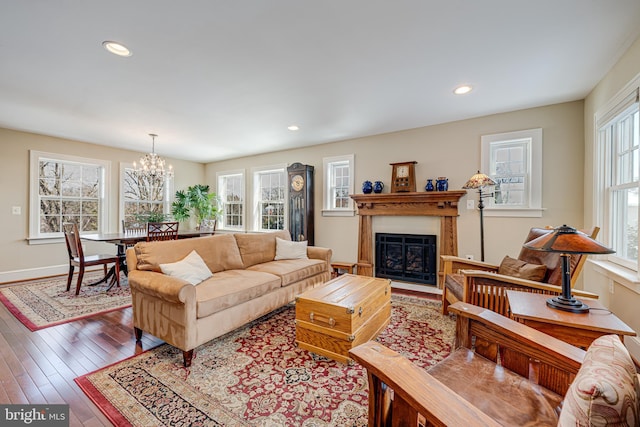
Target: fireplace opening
408,257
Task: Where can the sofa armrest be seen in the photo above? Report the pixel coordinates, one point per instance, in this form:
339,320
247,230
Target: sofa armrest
161,286
317,252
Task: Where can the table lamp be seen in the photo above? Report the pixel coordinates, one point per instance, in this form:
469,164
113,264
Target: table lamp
480,181
567,240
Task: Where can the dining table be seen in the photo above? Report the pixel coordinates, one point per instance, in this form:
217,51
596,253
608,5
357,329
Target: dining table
123,240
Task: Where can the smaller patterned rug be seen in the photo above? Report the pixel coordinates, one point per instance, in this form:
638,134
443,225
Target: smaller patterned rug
256,376
42,303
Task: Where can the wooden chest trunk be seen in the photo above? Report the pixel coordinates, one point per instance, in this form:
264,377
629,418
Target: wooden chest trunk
345,312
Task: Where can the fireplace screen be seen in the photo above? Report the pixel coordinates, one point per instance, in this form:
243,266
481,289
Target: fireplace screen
408,257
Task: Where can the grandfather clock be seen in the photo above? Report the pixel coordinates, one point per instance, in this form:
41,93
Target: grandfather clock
301,202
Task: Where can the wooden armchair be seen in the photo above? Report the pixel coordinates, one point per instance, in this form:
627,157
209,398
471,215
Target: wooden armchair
480,284
500,373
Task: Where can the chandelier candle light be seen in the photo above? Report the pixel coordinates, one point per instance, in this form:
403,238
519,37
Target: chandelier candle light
480,181
152,165
567,240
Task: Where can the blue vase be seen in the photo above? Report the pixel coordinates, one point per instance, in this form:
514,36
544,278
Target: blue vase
429,186
367,187
378,186
442,183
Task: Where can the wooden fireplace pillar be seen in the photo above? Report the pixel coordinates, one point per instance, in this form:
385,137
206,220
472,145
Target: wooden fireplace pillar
437,203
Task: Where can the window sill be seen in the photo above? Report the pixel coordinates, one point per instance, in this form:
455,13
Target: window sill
329,212
624,276
514,212
44,240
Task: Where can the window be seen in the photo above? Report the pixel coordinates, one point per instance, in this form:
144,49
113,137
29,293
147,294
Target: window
144,195
269,198
231,194
514,161
618,157
338,185
66,189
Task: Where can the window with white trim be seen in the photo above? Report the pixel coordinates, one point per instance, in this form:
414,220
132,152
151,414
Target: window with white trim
618,166
514,161
231,193
269,198
338,185
66,189
143,196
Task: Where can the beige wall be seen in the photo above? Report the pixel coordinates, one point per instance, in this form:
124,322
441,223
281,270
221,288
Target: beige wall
451,150
623,301
15,253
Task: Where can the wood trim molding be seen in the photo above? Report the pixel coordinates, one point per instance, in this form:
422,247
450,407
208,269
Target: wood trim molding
443,204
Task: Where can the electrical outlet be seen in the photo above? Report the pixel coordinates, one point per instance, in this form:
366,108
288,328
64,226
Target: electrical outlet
471,204
16,210
469,257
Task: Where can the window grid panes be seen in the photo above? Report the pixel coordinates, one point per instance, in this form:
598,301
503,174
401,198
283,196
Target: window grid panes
509,169
231,188
68,192
271,200
624,142
340,185
143,196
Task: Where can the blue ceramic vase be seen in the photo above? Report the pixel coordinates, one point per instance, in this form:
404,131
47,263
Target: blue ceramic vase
378,186
442,183
367,187
429,186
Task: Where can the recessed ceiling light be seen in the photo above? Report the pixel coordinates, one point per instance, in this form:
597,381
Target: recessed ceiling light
461,90
293,127
116,48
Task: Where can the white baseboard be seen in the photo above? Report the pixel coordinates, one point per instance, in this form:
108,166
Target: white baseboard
32,273
418,288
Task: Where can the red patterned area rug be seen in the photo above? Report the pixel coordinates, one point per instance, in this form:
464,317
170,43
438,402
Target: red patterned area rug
42,303
256,376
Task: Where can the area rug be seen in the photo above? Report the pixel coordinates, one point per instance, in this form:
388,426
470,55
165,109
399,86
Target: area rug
43,303
256,376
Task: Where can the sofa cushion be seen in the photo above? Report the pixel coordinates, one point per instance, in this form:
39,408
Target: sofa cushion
220,252
230,288
521,269
286,249
503,395
256,248
605,390
191,268
292,270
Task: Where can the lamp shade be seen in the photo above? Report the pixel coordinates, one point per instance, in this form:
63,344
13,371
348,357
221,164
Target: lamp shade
478,180
567,240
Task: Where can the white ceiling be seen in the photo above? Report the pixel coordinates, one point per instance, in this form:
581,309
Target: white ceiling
220,79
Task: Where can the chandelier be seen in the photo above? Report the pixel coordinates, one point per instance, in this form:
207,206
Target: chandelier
152,165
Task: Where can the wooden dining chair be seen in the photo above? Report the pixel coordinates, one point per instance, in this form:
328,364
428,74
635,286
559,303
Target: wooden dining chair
77,258
162,231
134,227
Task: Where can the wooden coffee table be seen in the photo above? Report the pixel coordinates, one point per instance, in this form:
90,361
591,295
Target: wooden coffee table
341,314
579,329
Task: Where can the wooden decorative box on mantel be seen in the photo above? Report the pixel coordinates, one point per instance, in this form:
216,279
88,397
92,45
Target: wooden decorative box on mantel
433,203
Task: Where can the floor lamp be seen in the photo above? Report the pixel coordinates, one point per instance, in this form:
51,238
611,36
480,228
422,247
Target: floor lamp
567,240
480,181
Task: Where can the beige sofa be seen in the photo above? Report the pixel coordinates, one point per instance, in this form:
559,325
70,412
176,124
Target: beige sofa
246,284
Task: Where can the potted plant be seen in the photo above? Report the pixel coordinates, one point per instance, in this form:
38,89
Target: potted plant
195,201
152,216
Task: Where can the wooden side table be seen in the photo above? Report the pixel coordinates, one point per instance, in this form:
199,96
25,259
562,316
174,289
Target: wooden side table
348,267
579,329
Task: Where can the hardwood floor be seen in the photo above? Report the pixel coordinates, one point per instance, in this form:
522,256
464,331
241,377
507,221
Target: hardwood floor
40,367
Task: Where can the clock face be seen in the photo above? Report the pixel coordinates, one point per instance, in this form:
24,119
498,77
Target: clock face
297,182
403,171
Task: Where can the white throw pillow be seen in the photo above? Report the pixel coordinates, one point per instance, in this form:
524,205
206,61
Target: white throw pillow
286,249
191,268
